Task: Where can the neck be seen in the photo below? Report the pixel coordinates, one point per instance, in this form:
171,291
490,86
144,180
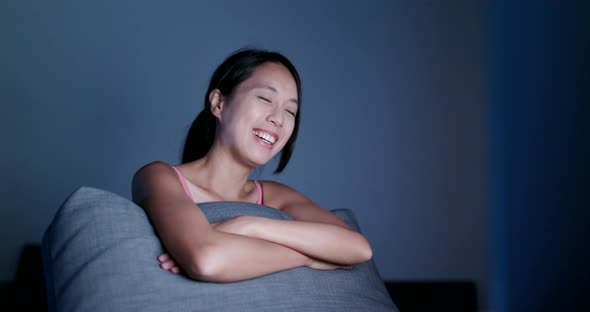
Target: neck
221,173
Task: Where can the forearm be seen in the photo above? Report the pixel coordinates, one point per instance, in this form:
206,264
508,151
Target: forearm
323,241
235,257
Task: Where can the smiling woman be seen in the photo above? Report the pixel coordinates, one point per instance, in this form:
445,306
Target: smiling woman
251,113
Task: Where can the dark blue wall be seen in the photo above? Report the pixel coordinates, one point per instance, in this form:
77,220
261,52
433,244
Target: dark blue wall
540,81
394,126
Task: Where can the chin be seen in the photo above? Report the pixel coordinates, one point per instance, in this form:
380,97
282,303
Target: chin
256,160
261,160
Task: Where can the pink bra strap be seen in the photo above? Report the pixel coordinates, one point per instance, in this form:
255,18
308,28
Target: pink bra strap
183,182
260,197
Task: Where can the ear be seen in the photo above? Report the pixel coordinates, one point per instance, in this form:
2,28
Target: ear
217,101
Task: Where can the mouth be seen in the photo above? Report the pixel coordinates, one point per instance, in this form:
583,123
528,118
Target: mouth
265,137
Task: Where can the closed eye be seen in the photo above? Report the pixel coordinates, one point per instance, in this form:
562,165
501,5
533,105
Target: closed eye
292,113
264,99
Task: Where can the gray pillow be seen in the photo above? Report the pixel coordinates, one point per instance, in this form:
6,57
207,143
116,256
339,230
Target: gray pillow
100,252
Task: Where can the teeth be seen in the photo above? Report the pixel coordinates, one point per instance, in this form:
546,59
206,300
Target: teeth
267,137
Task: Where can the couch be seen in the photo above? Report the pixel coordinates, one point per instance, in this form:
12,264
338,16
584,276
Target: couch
99,254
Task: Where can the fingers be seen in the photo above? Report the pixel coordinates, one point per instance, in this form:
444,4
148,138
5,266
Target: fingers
170,266
167,264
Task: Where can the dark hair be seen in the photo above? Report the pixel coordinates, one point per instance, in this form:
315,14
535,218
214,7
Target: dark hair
234,70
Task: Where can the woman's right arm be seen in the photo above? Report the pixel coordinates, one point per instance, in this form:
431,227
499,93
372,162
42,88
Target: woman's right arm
201,251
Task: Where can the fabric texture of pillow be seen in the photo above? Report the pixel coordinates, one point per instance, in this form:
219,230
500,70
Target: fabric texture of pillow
100,254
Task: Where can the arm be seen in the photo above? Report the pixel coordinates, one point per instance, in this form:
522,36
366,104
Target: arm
203,252
316,232
324,241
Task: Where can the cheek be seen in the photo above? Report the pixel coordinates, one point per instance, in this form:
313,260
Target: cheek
231,132
289,130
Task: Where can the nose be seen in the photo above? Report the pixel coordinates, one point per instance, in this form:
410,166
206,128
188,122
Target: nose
276,118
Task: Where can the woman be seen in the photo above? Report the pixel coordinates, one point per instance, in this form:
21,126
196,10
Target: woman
252,112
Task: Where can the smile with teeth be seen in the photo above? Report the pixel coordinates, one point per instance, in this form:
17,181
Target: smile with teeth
266,137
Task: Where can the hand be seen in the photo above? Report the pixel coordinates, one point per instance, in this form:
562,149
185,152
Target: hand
168,264
325,266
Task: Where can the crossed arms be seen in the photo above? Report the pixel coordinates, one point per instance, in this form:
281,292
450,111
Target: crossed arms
244,247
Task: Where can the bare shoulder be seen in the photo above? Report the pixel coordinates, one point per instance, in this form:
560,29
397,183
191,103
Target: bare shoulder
151,171
150,178
279,195
297,205
156,167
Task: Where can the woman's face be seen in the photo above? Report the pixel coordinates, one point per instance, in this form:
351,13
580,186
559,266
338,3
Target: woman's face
257,120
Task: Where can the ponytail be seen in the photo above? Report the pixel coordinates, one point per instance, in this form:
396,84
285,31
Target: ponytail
200,136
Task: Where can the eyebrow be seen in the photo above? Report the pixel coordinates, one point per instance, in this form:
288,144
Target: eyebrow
274,91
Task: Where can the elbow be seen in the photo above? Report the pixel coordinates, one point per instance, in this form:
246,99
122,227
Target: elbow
367,253
364,251
204,266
